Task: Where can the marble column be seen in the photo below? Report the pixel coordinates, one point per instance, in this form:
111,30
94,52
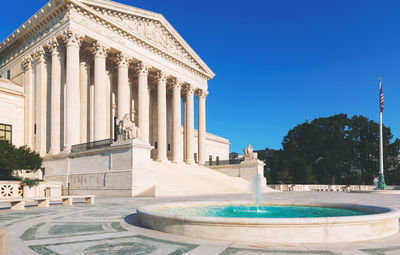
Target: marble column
161,116
184,126
55,123
41,101
143,101
84,78
190,125
201,98
124,92
100,93
108,84
91,112
28,102
72,109
176,122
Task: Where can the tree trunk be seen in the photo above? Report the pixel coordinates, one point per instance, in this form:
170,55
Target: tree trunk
333,180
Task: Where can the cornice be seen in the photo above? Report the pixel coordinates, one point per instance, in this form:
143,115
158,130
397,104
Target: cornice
53,13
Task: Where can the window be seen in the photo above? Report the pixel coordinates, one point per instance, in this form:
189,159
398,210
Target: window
8,74
169,147
217,159
195,157
6,132
155,145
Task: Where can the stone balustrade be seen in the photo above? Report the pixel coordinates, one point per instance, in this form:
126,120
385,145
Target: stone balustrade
320,187
10,189
13,189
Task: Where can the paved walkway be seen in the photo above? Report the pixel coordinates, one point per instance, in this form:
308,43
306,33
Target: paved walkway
110,227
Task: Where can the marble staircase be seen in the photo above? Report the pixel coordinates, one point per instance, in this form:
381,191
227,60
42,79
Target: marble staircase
192,180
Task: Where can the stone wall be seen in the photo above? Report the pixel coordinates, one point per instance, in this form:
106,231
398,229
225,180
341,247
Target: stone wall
118,170
246,169
12,109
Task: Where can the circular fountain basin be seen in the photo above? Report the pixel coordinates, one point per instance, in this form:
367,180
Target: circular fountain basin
365,223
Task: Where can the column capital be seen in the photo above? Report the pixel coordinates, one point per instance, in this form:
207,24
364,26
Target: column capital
122,60
161,76
188,90
39,55
100,50
85,55
110,65
27,62
72,38
201,94
142,68
53,46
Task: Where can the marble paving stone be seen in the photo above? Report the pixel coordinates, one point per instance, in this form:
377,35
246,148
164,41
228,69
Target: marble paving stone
241,251
130,245
110,227
395,250
66,229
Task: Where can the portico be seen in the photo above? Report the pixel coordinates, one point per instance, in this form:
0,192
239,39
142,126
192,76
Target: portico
86,65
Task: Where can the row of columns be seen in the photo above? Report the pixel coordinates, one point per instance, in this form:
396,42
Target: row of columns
76,74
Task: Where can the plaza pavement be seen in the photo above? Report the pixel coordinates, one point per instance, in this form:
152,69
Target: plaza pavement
110,227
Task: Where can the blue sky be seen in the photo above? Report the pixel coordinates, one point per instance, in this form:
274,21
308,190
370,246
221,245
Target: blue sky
279,62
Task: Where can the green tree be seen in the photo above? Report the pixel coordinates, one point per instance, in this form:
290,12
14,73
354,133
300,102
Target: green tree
17,158
365,137
324,147
335,150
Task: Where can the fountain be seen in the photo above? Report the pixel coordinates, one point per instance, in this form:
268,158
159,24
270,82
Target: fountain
277,223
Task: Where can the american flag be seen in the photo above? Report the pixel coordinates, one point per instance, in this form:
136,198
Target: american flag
381,106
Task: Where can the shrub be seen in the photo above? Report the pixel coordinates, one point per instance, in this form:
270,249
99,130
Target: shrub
29,182
17,158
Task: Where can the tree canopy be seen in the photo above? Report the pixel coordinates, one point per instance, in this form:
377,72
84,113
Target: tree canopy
335,150
17,158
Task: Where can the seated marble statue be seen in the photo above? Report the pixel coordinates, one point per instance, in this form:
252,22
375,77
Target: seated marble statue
127,129
249,154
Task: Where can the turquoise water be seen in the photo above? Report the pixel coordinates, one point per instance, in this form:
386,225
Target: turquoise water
264,211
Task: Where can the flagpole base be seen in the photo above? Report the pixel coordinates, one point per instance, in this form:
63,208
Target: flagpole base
381,182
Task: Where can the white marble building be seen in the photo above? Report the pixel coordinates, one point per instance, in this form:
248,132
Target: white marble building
76,67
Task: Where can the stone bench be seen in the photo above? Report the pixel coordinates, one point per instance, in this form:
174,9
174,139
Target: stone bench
42,202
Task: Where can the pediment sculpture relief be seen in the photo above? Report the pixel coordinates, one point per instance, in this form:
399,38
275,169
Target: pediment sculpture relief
150,30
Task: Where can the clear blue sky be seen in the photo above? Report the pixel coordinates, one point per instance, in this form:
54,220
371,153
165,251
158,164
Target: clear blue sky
278,62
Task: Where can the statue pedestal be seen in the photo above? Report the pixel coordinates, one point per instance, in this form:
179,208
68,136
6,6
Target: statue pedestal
121,169
249,168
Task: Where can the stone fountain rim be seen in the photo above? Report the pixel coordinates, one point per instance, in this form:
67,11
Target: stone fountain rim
380,213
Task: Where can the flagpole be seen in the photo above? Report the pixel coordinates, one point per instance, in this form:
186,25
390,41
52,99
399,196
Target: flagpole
381,183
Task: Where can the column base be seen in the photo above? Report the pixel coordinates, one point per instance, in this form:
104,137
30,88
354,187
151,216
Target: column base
53,151
162,160
67,149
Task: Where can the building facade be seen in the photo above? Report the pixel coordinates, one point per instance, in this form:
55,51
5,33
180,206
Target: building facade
79,73
84,65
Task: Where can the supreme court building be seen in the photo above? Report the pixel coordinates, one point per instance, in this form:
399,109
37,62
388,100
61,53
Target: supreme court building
77,69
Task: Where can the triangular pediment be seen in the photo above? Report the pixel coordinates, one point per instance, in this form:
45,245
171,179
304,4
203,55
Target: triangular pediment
150,27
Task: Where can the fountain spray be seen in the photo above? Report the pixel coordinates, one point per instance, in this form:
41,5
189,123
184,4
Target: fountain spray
256,189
